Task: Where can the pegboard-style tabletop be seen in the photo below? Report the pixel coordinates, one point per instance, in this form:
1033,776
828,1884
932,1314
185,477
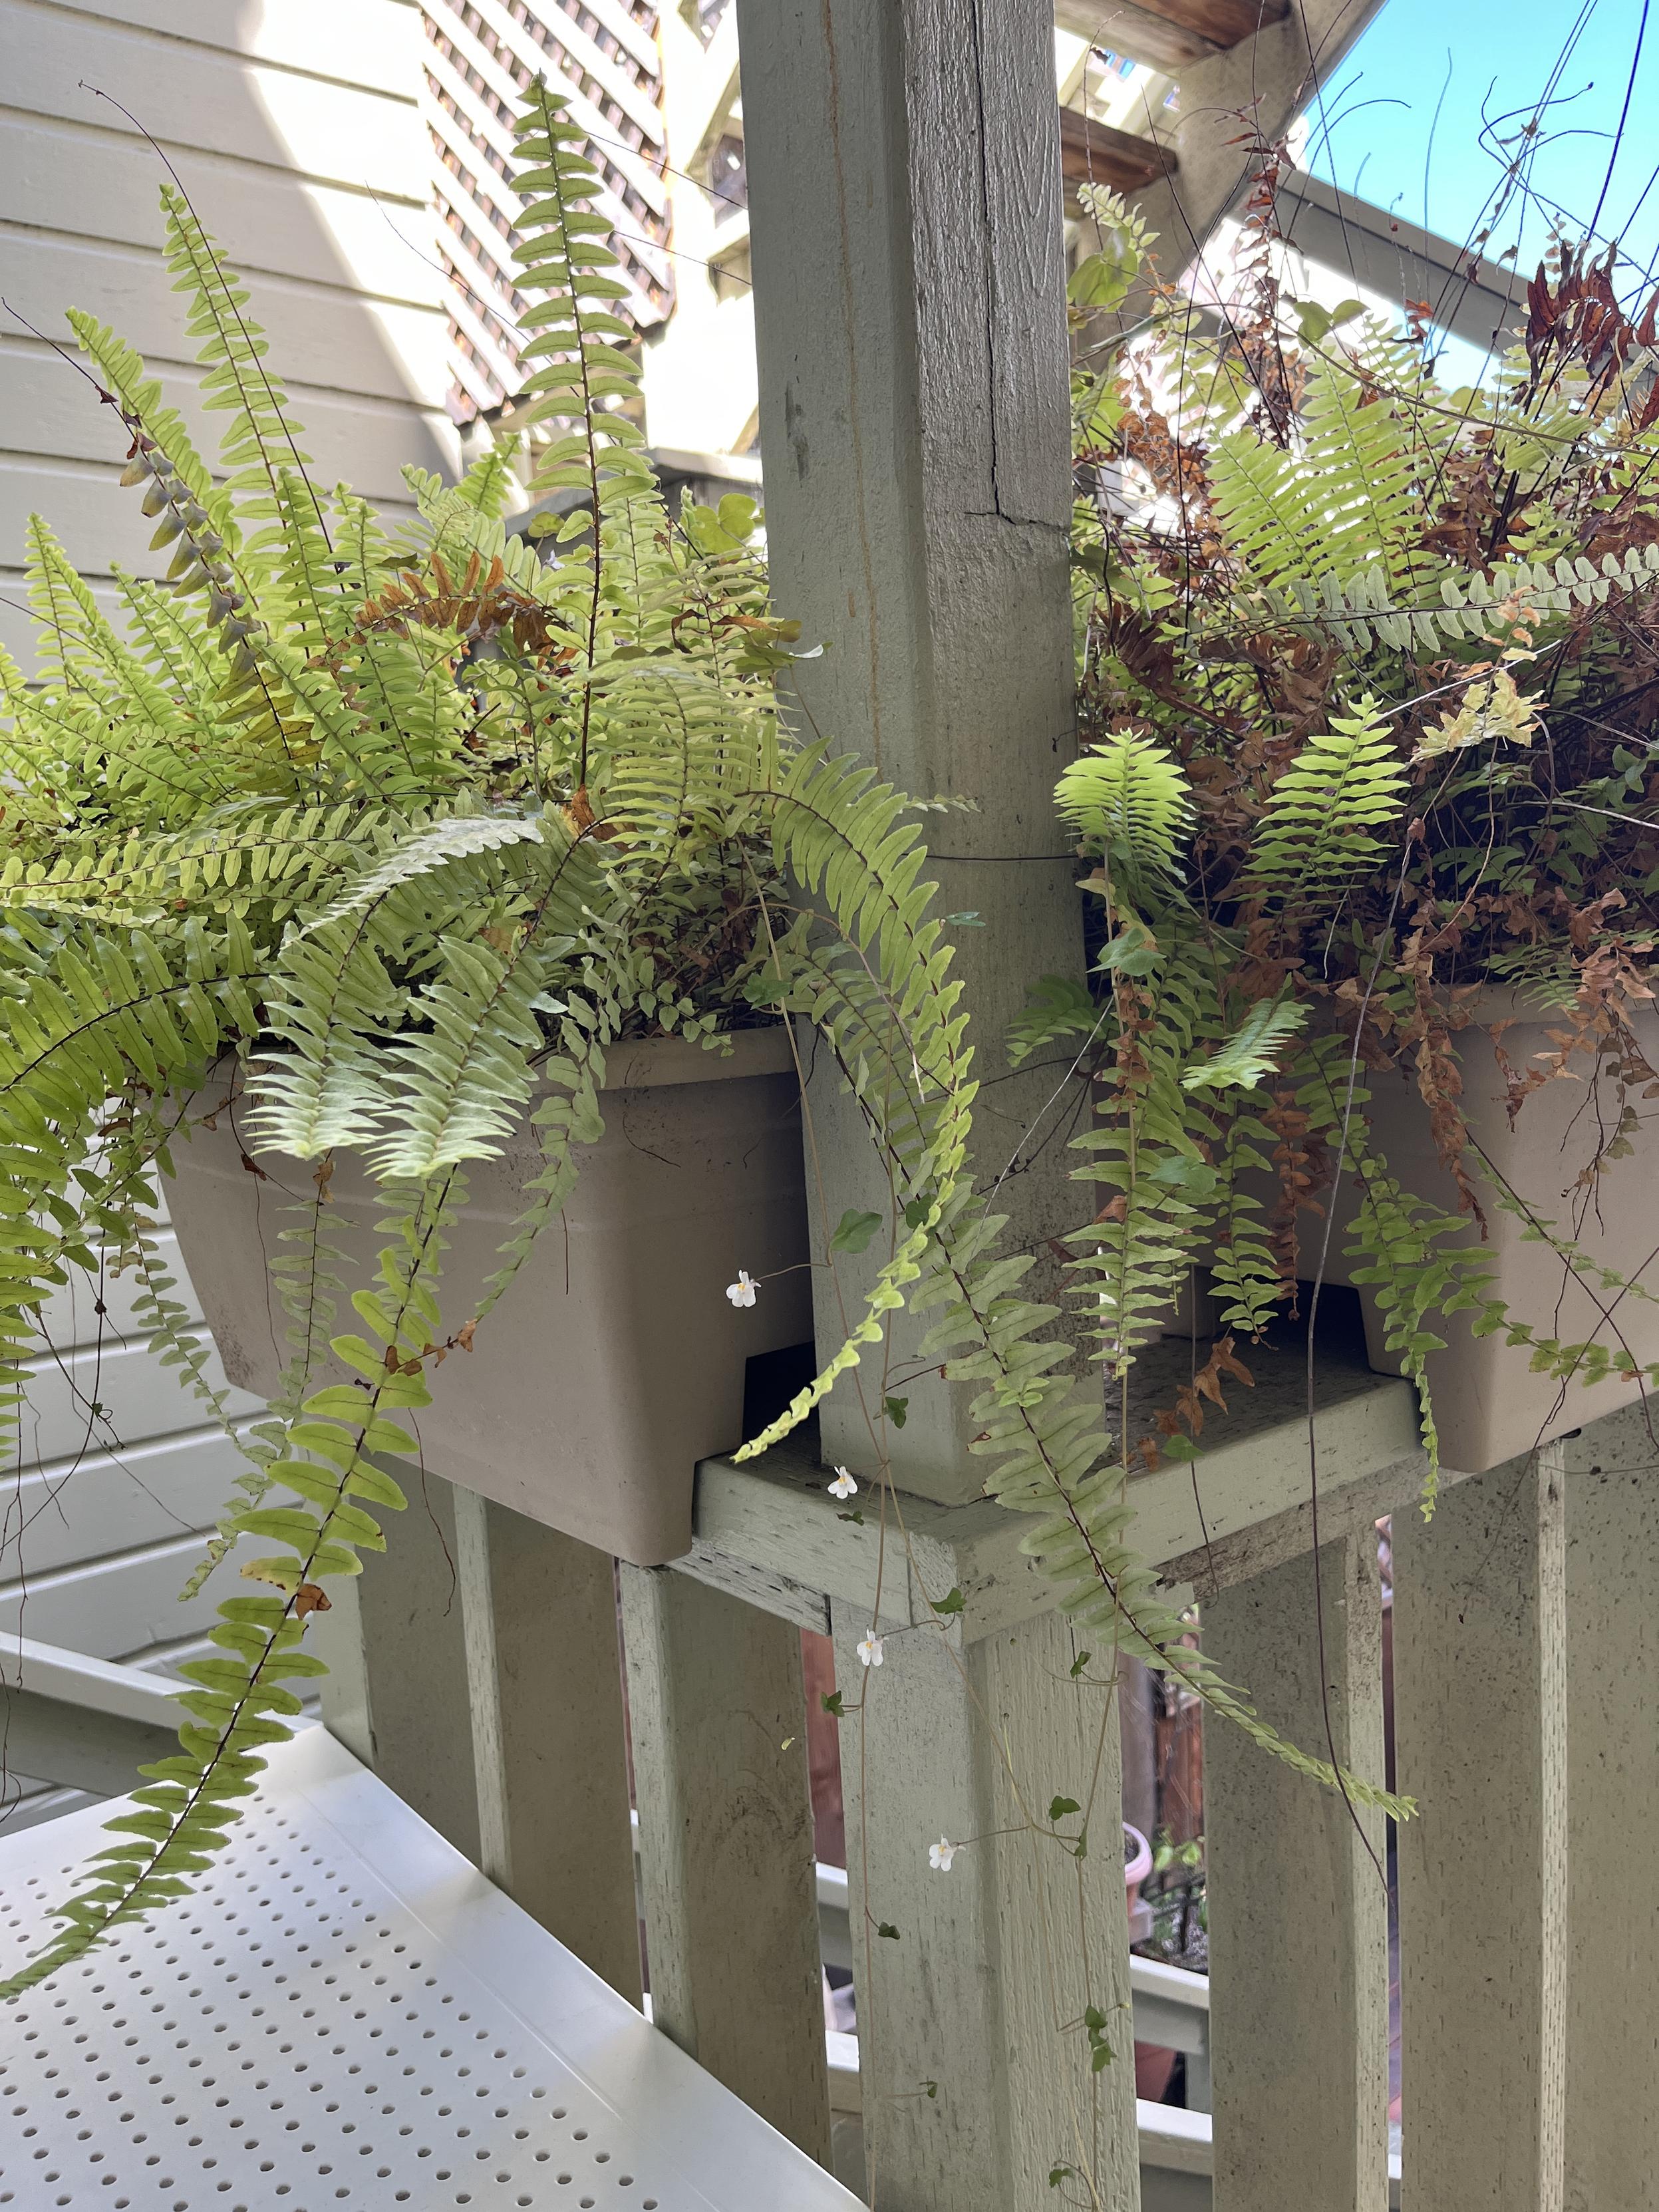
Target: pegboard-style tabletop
349,2014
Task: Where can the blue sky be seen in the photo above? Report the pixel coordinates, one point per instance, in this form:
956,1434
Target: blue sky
1475,60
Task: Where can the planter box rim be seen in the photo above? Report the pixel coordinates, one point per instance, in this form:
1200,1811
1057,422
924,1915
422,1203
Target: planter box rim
650,1063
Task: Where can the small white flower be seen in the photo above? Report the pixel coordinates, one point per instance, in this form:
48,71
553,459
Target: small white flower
742,1293
870,1649
843,1486
939,1855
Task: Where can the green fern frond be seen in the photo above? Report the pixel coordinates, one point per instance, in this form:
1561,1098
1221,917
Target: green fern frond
1128,796
1319,827
1252,1051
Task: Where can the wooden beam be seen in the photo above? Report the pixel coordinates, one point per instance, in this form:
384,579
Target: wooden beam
1258,86
1168,33
1297,1903
1093,153
1480,1706
768,1532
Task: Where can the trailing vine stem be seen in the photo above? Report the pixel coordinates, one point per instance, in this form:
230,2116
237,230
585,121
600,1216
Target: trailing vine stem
1353,650
412,827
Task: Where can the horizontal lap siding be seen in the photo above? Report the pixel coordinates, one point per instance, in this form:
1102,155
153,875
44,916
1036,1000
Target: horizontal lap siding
295,127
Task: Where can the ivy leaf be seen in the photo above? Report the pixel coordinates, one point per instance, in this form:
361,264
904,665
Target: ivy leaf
856,1515
831,1700
1313,321
1184,1172
1081,1663
1057,2174
932,2088
950,1602
898,1410
1103,279
1059,1807
887,1929
1132,949
854,1230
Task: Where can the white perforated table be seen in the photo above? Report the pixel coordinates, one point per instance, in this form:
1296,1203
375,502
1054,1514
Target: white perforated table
349,2014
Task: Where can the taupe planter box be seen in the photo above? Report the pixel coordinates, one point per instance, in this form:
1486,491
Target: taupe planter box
1488,1404
615,1361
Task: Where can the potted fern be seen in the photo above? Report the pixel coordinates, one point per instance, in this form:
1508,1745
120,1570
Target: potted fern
1369,695
431,918
392,897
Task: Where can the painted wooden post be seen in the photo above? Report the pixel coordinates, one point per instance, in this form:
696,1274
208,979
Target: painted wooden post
1479,1703
395,1691
718,1711
910,321
977,2072
910,324
1299,1909
1613,1784
543,1666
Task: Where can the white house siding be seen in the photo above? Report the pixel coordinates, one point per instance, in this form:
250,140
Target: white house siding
295,127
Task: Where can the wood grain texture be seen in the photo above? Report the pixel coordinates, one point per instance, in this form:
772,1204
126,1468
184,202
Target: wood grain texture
1479,1703
1247,1494
1297,1912
909,304
983,1991
1613,1785
1142,33
549,1738
717,1710
1169,33
1100,154
1260,84
765,1587
396,1691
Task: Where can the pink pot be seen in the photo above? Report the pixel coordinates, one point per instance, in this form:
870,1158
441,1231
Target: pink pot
1137,1865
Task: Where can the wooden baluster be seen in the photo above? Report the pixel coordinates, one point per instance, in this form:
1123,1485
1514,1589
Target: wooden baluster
1297,1907
549,1738
1479,1702
977,2072
718,1711
395,1691
1613,1783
